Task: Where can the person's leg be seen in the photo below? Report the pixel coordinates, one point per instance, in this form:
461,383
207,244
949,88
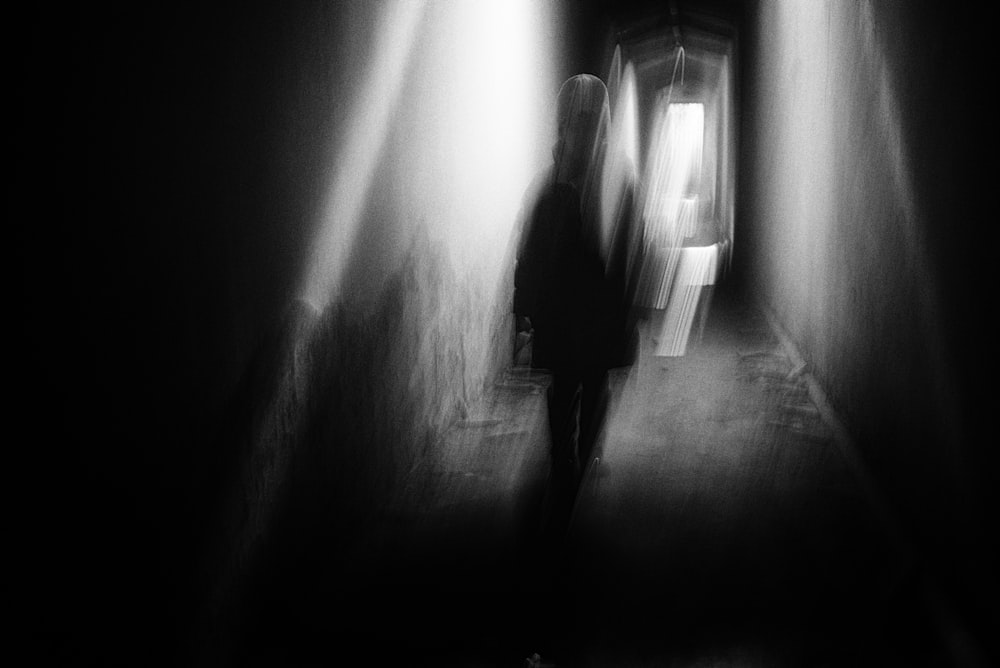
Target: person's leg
553,629
564,417
593,409
564,397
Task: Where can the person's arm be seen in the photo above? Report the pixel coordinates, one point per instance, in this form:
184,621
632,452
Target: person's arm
527,267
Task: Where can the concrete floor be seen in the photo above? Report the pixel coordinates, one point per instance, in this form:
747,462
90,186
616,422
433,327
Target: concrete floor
721,527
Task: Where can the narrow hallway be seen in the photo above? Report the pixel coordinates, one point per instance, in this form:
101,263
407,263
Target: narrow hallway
272,284
722,524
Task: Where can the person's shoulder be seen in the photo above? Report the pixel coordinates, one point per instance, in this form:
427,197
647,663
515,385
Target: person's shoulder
545,191
540,183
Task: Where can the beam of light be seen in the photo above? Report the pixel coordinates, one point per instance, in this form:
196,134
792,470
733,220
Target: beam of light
622,159
675,273
453,161
670,209
358,159
490,98
478,128
697,267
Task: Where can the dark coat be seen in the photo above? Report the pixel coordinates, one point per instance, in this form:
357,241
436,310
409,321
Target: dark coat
578,302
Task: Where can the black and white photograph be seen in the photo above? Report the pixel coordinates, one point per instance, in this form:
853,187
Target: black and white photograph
506,333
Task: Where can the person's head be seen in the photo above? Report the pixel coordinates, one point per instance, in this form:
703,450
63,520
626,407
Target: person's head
582,115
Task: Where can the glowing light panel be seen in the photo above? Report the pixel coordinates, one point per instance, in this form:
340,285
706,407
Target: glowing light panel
673,181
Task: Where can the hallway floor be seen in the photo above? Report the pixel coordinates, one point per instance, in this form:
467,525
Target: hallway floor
722,527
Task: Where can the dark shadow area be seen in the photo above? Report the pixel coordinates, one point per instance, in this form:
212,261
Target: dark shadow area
732,530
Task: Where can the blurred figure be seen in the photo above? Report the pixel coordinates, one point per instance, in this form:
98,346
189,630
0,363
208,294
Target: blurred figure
572,284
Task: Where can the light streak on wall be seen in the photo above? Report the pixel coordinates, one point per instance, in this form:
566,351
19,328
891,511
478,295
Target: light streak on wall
476,127
450,127
481,124
357,160
422,215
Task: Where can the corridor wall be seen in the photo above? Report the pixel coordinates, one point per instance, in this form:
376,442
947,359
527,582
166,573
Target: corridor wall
263,363
861,200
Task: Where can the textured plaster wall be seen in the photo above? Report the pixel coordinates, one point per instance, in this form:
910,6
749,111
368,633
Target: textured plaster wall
229,423
412,322
860,188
